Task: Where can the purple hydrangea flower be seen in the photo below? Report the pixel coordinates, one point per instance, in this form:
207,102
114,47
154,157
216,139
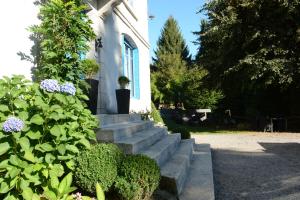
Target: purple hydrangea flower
50,85
68,88
13,124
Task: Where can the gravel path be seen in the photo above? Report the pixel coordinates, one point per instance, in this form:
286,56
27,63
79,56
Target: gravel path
256,166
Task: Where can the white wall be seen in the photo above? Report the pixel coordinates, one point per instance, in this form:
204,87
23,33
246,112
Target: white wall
110,27
15,18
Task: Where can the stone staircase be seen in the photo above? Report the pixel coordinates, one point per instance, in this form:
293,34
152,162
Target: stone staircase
135,136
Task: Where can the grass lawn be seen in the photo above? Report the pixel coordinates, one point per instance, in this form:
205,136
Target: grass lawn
198,129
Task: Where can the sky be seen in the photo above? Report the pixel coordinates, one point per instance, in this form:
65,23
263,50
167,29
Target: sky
184,11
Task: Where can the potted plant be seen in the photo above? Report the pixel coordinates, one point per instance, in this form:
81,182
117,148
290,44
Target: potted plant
123,95
90,68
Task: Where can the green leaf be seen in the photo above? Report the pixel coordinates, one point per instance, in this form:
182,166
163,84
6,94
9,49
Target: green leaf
56,171
65,184
72,148
24,184
24,142
99,192
4,147
37,119
29,156
13,182
71,165
13,172
27,194
36,197
23,115
50,195
4,164
54,116
58,130
61,149
85,143
46,147
4,188
45,173
20,104
49,157
54,182
4,108
34,135
61,98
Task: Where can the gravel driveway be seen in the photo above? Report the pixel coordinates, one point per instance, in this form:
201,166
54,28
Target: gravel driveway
255,166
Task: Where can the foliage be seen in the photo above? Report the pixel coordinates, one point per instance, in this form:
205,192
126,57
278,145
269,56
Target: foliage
155,114
171,42
195,93
123,81
251,48
138,177
174,78
59,190
98,165
56,128
90,67
99,192
62,35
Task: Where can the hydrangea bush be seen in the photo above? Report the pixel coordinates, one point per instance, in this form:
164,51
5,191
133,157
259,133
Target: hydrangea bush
42,128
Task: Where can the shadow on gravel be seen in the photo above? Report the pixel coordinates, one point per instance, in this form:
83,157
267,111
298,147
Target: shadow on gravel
271,174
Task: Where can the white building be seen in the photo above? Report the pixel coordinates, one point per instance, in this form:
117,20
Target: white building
122,26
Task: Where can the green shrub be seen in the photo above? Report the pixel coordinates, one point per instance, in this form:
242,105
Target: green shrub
155,114
185,134
42,130
138,177
100,164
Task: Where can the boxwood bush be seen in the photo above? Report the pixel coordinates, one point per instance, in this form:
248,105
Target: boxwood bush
138,177
99,164
43,127
185,134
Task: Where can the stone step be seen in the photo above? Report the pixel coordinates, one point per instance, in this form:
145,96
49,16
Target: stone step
116,132
141,140
199,183
175,171
109,119
163,149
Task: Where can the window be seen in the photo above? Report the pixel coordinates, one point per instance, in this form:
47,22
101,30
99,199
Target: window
128,64
130,59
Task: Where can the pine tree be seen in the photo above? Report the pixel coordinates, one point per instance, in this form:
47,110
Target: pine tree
174,78
171,43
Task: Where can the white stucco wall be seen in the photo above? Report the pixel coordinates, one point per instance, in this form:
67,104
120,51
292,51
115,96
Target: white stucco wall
110,27
15,18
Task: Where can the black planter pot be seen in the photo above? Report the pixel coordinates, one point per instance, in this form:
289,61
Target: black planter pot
92,93
123,101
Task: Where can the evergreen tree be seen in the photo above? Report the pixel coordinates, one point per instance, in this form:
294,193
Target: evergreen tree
171,44
174,79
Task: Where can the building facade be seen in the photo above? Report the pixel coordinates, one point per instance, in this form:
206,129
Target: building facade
122,47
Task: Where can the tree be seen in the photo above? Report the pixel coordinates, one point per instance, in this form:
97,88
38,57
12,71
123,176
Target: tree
171,44
251,47
63,34
174,77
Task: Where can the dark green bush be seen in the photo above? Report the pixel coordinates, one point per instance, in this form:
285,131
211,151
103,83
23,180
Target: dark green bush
100,164
138,177
185,134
